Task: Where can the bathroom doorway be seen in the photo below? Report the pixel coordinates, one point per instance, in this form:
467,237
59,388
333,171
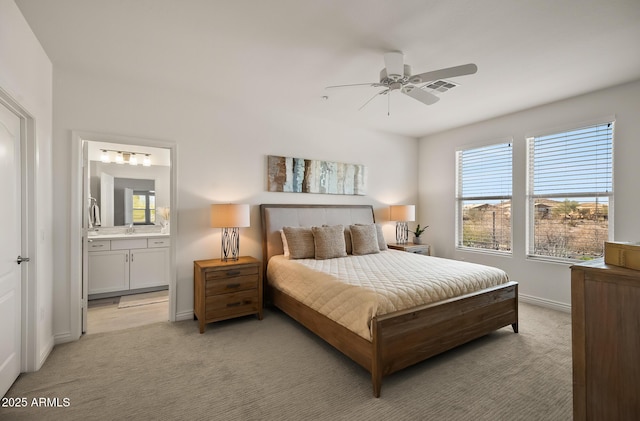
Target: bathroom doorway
127,241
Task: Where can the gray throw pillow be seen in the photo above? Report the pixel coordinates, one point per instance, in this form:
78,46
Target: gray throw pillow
329,242
364,239
300,242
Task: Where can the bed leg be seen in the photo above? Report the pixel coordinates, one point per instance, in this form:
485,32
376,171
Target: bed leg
515,327
377,385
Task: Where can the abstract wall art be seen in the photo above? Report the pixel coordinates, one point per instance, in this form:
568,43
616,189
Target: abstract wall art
299,175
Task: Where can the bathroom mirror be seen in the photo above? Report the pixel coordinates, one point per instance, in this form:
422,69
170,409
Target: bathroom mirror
125,194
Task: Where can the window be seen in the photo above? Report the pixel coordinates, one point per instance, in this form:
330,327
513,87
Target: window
570,191
484,185
144,207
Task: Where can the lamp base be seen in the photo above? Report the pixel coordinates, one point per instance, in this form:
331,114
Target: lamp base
402,233
230,248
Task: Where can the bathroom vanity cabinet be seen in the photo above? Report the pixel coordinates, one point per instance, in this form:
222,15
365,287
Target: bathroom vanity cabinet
125,264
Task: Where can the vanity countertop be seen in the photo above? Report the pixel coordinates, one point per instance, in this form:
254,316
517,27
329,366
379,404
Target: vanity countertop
121,236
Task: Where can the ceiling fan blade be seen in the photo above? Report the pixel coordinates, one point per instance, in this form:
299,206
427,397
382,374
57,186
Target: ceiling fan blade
374,84
394,63
465,69
421,95
384,91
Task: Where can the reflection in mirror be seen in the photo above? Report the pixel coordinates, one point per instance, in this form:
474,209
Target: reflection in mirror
143,210
143,191
130,195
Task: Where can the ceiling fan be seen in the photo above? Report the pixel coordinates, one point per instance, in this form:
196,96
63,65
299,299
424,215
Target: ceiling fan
397,76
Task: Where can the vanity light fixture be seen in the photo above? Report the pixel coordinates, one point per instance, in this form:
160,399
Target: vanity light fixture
125,157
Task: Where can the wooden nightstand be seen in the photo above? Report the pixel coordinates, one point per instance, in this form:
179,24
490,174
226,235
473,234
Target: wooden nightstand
412,248
224,290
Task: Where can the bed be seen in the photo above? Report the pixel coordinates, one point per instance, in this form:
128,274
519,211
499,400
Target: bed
392,337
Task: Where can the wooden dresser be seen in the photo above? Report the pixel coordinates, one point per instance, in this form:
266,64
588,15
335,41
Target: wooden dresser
605,316
224,290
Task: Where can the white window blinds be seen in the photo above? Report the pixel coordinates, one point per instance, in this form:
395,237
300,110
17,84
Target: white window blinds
573,163
485,172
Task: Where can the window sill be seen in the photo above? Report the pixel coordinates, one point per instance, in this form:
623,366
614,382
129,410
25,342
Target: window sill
558,261
485,251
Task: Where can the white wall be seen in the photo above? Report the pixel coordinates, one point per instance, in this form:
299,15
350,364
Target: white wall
542,282
26,76
222,149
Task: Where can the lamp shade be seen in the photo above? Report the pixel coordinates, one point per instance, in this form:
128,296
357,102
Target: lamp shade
229,215
402,213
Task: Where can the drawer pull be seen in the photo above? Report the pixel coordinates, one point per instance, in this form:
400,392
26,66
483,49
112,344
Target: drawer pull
234,304
233,285
233,273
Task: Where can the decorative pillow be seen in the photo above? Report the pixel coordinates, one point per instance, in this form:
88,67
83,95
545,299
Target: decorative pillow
381,241
300,242
329,242
382,244
285,245
364,239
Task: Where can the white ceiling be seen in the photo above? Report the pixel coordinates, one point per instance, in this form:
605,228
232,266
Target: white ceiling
281,54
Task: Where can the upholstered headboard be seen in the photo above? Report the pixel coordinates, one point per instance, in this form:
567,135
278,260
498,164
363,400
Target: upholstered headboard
276,216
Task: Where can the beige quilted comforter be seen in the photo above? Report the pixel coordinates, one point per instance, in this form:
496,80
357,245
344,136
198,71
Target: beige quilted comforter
352,290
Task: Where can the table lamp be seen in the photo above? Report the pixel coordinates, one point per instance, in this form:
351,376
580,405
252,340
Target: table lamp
230,217
402,214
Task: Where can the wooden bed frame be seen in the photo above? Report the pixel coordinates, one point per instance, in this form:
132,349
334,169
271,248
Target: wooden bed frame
401,338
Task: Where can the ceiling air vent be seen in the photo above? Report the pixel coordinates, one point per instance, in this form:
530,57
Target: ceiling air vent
440,86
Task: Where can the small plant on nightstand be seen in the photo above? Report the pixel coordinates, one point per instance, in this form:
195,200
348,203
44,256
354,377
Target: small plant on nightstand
417,233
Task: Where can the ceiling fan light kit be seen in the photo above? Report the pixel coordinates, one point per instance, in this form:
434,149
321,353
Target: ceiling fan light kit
396,76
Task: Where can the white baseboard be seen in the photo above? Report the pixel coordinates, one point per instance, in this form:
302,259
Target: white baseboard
184,315
542,302
61,338
45,352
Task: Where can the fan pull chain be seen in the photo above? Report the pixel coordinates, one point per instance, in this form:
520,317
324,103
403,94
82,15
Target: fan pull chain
389,104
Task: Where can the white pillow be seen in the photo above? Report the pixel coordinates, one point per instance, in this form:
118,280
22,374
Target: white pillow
285,245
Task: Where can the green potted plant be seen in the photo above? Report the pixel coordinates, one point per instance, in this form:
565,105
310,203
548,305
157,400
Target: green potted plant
417,233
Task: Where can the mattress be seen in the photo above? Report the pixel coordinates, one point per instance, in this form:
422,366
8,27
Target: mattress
352,290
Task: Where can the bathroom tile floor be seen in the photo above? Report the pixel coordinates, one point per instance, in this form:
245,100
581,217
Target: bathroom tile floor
103,315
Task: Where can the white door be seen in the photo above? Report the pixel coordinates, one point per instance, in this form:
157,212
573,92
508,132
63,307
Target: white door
128,206
10,245
106,199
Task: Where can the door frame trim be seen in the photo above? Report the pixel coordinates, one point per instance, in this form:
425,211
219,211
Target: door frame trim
79,224
29,355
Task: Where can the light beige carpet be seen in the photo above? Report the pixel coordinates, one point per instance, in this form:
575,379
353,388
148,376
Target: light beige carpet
136,300
274,369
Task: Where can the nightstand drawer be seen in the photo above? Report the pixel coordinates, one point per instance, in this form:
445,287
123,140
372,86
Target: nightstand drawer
231,284
230,272
237,303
